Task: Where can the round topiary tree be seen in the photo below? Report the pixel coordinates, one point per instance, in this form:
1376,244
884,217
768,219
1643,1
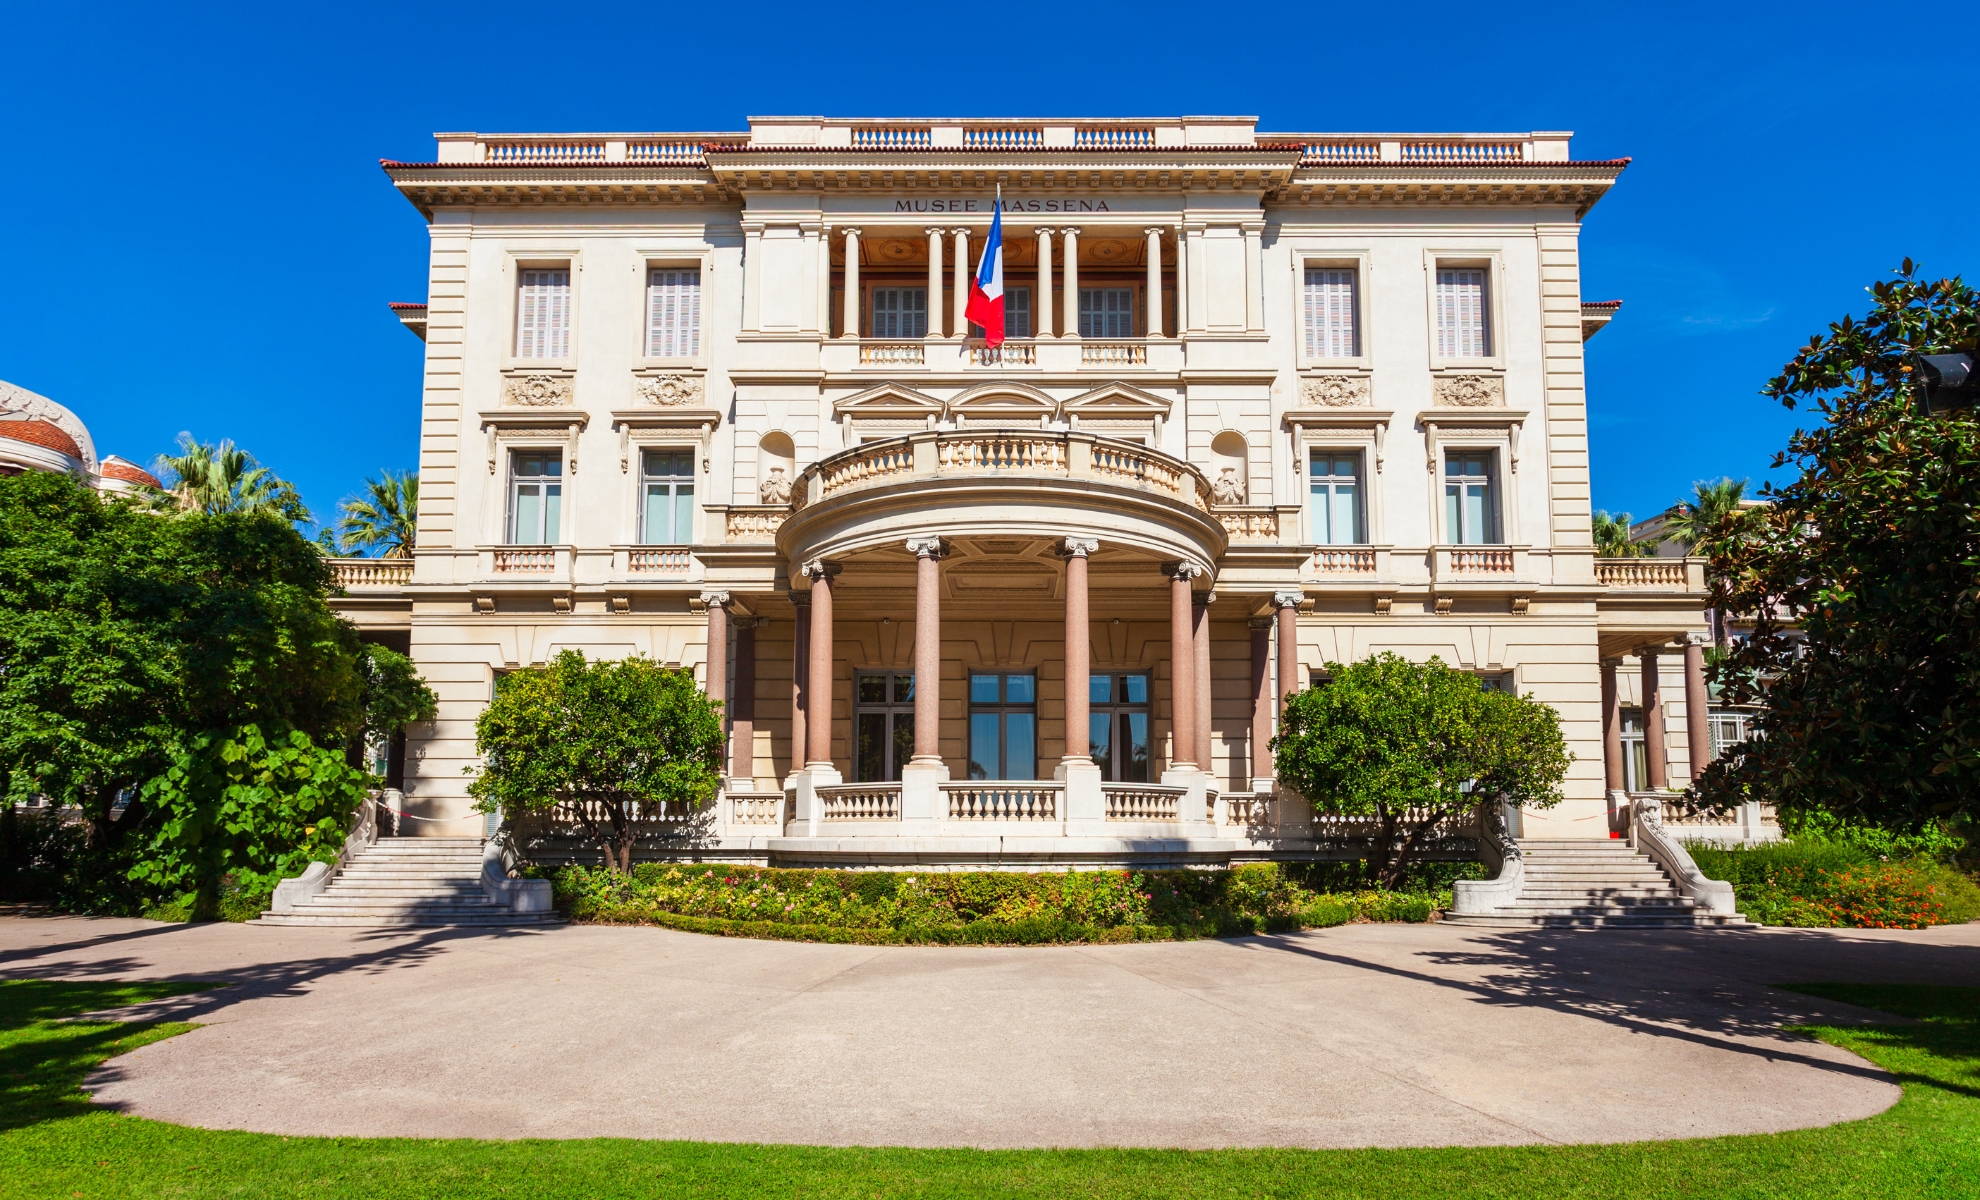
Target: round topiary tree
1412,745
604,737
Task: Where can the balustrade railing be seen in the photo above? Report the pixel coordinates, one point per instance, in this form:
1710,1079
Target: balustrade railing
1003,801
1344,560
1003,139
1249,524
753,523
1018,451
860,802
1641,572
756,808
666,154
1319,154
868,463
1113,354
892,354
1143,801
1243,809
371,572
658,560
1461,153
1001,452
647,813
527,153
531,560
1010,354
1481,560
1337,828
879,137
1112,137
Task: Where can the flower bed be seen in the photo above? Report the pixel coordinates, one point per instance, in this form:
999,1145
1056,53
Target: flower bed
1817,884
983,907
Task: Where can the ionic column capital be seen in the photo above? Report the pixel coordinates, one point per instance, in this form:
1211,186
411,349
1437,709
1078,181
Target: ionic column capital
1695,637
1288,599
1155,230
1258,624
1043,231
851,231
715,599
927,547
1203,599
1182,570
818,568
1071,231
935,230
1078,547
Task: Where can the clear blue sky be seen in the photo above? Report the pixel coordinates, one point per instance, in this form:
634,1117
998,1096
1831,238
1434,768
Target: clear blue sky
200,237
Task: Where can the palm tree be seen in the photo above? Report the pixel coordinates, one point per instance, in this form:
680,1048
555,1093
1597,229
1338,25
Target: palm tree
1612,538
383,518
1696,522
226,479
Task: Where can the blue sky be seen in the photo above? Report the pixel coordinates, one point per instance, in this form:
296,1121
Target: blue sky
201,238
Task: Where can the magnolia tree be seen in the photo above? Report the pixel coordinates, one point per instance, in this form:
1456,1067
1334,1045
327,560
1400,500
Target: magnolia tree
605,738
1862,579
1413,745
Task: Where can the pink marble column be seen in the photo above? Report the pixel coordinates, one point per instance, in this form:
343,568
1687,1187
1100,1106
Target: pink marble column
716,682
1653,718
1182,669
1697,705
927,649
1287,604
1079,652
1612,747
800,672
1261,697
818,715
1205,725
742,708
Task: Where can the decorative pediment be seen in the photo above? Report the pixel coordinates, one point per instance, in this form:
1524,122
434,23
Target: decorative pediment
890,402
1003,404
1117,401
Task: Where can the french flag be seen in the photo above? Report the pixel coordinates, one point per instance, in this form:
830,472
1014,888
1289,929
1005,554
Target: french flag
986,291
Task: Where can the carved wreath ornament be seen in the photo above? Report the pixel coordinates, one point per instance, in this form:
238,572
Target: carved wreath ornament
669,391
537,391
1335,391
1471,391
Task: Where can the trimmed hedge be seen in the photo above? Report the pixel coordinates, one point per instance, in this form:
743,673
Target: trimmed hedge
987,907
1818,883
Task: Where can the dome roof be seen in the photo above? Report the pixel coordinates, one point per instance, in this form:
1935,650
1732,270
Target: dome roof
40,433
127,471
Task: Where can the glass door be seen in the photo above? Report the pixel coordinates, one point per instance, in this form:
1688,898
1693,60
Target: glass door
1003,726
883,725
1119,726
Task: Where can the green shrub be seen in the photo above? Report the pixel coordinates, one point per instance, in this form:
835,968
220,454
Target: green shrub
243,896
980,907
1841,882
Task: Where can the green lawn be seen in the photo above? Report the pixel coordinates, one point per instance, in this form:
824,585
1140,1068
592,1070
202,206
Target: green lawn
53,1144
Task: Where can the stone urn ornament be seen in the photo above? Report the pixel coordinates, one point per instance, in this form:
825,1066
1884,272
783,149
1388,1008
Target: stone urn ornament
1228,489
776,489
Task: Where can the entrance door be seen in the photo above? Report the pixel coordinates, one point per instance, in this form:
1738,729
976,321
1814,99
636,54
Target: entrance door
1119,726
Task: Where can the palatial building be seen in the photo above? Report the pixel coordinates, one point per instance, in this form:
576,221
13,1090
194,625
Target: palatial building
1269,401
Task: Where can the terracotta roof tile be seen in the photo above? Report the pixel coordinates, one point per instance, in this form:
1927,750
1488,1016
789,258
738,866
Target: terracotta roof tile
41,433
120,468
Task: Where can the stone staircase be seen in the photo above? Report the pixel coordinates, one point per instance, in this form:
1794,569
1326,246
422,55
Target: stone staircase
1582,883
408,881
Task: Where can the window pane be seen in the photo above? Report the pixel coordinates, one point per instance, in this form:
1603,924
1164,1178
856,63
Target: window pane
529,515
1346,523
1099,689
903,687
1134,747
658,515
872,689
1477,509
1099,732
683,513
870,747
1017,312
1019,689
983,745
553,506
903,742
1453,520
1137,688
983,689
1020,746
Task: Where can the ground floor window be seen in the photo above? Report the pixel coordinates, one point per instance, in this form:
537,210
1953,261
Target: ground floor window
1730,727
1003,726
1118,724
1636,755
883,724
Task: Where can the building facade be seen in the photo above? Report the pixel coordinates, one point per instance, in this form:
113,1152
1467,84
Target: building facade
1268,401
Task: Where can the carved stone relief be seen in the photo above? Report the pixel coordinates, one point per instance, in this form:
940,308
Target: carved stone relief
774,490
536,391
1335,391
1471,391
1228,488
669,391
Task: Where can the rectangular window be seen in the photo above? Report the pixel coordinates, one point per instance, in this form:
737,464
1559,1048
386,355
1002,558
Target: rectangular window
883,725
900,312
673,314
1636,758
1017,314
1118,726
543,315
1730,727
1462,328
536,497
666,497
1106,312
1003,726
1471,505
1332,330
1334,498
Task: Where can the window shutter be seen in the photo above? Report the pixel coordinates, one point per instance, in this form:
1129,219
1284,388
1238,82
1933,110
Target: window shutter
543,315
673,314
1461,328
1331,313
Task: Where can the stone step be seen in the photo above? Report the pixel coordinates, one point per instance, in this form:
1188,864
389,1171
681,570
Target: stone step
500,919
382,903
383,892
1612,895
1632,921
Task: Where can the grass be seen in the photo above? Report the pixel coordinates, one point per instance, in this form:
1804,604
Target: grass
54,1144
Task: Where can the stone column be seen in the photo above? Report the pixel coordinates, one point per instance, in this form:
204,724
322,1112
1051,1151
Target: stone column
1079,651
1042,297
1070,239
927,650
1653,718
1612,747
851,329
1203,713
1261,704
1287,604
1152,327
800,675
818,693
935,305
1697,705
1182,669
716,682
960,325
742,724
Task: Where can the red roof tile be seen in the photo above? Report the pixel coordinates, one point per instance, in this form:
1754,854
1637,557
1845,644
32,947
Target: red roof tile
118,468
41,433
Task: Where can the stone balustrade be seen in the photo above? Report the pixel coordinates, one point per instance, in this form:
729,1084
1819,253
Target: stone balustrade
1143,801
1249,524
1481,560
658,560
1651,574
892,354
1003,801
1344,560
350,573
525,560
1010,354
1113,354
1037,453
756,808
860,802
742,523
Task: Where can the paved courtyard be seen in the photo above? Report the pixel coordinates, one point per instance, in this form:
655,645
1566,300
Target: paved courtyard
1369,1035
